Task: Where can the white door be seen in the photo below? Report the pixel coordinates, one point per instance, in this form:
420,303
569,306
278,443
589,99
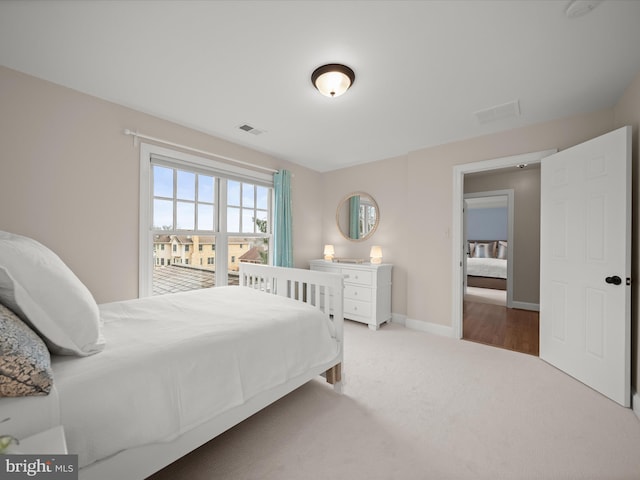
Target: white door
585,261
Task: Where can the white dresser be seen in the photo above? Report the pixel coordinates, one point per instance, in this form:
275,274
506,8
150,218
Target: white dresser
367,290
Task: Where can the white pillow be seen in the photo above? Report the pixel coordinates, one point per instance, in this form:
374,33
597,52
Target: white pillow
37,285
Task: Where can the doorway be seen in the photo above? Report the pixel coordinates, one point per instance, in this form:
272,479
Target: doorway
488,294
488,233
498,320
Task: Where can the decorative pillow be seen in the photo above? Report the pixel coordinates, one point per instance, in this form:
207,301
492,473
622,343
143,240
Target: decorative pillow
45,293
25,364
484,250
502,250
472,248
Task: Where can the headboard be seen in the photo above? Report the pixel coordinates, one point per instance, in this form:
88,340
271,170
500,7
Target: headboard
494,248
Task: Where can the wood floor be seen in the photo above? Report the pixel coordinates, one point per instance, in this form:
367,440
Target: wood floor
502,327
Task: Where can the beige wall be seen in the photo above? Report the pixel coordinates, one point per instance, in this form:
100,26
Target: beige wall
430,190
526,224
415,192
69,178
385,181
627,112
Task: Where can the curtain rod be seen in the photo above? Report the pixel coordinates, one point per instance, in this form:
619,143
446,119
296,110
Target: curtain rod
137,135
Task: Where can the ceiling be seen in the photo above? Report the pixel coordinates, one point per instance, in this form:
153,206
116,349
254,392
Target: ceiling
423,68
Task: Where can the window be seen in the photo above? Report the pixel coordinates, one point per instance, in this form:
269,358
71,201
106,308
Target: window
247,207
367,219
204,210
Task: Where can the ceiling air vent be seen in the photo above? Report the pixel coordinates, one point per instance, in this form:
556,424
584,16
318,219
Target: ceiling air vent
577,8
498,112
249,129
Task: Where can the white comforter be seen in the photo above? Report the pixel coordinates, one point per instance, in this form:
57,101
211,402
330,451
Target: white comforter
175,361
487,267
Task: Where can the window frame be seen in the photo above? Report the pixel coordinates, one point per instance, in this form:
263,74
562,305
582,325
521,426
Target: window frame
153,154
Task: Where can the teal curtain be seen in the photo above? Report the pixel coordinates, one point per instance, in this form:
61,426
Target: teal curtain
282,228
354,216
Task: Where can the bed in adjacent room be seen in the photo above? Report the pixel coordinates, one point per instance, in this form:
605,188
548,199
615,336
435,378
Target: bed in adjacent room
487,264
139,383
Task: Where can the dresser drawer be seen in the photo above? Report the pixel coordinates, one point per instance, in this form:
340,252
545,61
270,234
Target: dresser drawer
367,290
355,307
359,277
356,292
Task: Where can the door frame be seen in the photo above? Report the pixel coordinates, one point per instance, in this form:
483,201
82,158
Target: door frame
458,250
509,193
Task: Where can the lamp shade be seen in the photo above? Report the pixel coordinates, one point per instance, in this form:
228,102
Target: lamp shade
329,252
333,80
376,254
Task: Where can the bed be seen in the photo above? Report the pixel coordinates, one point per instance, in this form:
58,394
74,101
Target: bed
487,264
171,372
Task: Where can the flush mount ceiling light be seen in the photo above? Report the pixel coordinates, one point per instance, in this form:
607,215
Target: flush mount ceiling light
333,80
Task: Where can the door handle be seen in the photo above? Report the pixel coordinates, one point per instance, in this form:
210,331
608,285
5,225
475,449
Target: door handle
615,280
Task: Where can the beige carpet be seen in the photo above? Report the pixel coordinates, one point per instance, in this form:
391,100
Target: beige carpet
486,295
420,406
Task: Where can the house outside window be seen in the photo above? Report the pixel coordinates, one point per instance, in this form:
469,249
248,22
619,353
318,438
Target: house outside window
220,213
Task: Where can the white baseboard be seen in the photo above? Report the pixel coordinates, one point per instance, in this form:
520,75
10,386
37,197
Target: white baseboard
435,328
421,325
399,319
635,404
534,307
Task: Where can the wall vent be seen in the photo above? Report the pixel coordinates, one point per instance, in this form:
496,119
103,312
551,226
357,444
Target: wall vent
249,129
498,112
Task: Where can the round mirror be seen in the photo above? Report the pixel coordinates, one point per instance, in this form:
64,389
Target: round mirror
357,216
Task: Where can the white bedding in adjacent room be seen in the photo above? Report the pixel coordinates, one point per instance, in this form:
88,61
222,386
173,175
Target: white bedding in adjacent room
175,361
487,267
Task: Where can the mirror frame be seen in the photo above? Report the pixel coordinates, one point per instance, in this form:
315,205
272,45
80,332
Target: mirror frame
375,226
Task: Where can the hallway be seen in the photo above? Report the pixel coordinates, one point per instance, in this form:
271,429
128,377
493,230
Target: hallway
502,327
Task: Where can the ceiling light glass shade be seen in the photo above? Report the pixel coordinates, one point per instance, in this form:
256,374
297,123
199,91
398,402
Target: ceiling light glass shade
333,80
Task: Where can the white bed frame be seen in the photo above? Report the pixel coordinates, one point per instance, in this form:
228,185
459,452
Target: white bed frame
306,286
